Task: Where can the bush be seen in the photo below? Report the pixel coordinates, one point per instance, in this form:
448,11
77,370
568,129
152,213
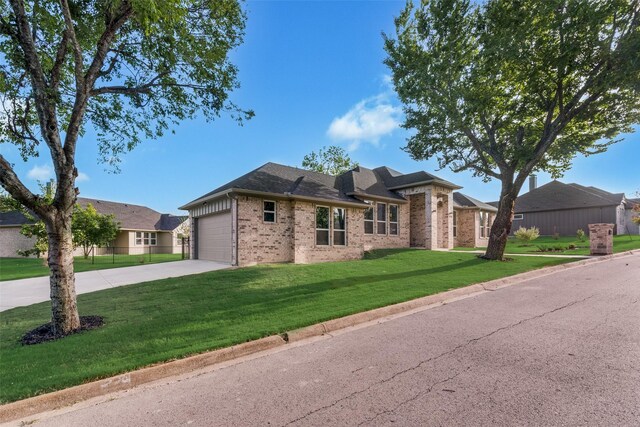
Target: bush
581,235
543,248
556,236
526,235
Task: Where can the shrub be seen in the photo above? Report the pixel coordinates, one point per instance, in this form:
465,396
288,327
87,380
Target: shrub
571,246
543,248
559,247
580,235
556,236
526,235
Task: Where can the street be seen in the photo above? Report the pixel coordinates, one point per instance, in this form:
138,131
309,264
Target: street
563,349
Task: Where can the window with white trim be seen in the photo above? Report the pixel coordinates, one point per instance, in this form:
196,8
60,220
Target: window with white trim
146,238
339,226
484,224
322,226
368,220
455,224
382,218
393,219
268,211
518,217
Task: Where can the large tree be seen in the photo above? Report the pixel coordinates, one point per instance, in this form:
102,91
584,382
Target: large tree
506,88
332,160
127,69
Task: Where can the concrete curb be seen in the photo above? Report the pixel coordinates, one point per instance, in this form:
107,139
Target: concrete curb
58,399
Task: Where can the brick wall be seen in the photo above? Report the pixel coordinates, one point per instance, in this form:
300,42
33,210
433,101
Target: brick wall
264,242
387,241
11,240
466,229
305,249
417,220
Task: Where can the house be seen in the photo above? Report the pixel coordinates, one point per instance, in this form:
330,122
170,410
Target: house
562,208
278,213
630,226
142,229
472,221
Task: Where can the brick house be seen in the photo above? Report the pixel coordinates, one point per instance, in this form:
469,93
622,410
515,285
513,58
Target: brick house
278,213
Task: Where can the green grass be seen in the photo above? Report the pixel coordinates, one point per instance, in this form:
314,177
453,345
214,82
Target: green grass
172,318
620,244
22,268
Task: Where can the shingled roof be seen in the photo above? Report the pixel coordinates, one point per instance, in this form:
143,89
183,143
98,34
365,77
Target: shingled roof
463,201
350,187
557,195
130,217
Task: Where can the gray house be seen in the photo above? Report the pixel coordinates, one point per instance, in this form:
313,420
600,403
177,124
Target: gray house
562,208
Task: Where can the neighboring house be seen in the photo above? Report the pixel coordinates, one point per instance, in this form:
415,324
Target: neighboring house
562,208
278,213
142,230
629,213
11,240
472,221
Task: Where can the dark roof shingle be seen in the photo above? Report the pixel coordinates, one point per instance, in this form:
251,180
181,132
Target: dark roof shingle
464,201
557,195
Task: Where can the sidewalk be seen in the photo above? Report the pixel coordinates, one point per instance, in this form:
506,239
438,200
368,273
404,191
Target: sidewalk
17,293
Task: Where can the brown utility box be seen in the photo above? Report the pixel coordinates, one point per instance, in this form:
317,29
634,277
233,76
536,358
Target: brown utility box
601,239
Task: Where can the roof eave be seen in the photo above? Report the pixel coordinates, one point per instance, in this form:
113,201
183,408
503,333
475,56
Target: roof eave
374,197
201,200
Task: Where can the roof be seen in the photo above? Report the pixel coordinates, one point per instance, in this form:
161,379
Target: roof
130,217
463,201
134,217
557,195
352,186
13,219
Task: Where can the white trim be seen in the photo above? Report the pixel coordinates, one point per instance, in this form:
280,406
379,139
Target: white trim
518,217
316,229
396,222
385,221
274,211
344,230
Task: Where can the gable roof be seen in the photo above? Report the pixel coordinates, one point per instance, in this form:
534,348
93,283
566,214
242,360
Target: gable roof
350,187
13,219
130,217
463,201
557,195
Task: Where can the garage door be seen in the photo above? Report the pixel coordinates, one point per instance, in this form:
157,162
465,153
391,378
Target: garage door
214,237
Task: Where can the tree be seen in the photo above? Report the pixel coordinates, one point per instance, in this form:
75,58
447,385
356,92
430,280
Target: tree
504,89
332,160
91,228
128,69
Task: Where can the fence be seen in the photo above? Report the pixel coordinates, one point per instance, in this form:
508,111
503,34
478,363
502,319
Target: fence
134,255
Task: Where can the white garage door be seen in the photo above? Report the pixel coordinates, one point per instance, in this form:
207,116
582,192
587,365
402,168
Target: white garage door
214,237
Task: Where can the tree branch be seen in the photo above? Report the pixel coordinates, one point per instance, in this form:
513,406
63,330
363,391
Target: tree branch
18,191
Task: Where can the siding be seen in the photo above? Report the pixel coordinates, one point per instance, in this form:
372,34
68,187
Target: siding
566,222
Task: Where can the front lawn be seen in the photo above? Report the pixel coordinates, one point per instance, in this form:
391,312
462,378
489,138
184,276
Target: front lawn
22,268
172,318
561,245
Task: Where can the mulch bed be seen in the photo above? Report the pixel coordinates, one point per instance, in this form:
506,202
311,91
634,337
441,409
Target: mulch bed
44,333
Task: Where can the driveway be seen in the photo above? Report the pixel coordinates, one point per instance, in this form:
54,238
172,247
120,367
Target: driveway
563,349
16,293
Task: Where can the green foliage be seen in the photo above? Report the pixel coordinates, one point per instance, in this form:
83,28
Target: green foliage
505,86
580,235
91,228
526,235
332,160
636,209
158,62
38,231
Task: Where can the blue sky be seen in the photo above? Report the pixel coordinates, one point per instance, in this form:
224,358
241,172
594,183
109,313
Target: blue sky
312,71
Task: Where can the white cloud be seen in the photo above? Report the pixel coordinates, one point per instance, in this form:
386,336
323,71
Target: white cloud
40,173
367,121
82,177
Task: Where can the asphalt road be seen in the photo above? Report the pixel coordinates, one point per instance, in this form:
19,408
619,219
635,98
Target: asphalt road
559,350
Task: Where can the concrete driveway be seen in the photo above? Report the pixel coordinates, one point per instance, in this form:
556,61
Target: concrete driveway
563,349
17,293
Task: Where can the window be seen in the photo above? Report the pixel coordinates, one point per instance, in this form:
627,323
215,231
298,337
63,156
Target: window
382,218
269,211
393,219
322,225
518,217
339,227
146,239
368,220
484,224
455,224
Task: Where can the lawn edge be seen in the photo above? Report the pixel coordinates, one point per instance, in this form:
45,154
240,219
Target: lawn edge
58,399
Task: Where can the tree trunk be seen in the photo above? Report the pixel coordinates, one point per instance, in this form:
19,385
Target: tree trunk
501,225
64,311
